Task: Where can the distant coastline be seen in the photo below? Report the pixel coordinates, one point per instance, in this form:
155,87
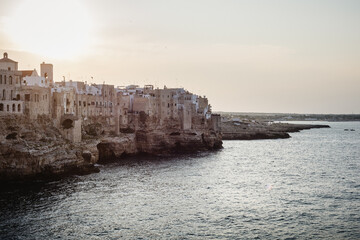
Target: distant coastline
266,117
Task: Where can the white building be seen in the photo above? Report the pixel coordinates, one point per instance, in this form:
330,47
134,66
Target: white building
32,78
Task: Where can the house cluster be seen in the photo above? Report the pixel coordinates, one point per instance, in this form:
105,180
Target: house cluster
26,92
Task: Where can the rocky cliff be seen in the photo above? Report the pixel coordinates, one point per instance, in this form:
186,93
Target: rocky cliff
37,148
147,136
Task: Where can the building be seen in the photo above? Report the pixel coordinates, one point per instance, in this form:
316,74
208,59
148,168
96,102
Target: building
10,87
73,103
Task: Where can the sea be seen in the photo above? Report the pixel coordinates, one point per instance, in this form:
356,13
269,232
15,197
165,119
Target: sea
305,187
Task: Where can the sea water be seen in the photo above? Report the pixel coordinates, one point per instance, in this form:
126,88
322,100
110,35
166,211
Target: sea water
305,187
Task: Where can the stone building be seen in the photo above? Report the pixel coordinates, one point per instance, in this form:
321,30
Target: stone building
10,87
73,103
46,71
36,101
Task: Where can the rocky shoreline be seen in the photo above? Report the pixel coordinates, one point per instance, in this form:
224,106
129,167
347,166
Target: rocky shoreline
36,149
252,130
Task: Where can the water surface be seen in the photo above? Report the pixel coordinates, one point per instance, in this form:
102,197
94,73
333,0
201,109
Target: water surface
305,187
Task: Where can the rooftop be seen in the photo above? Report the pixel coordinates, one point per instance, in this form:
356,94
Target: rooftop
6,59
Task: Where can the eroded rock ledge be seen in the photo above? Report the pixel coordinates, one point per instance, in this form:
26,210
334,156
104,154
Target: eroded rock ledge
157,143
241,130
36,149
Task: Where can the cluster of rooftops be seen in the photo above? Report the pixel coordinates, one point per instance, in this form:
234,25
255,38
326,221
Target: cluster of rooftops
39,94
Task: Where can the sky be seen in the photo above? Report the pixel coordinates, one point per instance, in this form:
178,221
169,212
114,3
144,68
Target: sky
282,56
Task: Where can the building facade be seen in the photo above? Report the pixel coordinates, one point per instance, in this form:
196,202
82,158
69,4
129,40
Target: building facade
70,103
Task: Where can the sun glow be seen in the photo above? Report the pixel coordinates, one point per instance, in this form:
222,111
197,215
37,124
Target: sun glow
55,29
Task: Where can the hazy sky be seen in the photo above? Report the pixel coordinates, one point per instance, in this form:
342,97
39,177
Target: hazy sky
248,56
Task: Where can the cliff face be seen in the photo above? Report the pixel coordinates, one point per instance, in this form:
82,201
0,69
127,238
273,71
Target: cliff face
111,148
36,148
147,136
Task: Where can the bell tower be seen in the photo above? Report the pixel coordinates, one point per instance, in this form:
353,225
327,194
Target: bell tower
46,70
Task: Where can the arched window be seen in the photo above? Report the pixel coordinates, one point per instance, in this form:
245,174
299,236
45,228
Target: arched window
0,79
18,97
10,80
13,107
19,108
4,79
1,107
4,95
8,108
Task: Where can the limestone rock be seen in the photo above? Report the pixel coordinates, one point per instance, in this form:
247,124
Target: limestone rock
261,130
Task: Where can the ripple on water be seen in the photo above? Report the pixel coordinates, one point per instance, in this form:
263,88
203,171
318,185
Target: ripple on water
305,187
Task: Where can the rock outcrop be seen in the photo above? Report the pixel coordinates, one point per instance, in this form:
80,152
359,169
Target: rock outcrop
261,130
147,136
36,149
111,148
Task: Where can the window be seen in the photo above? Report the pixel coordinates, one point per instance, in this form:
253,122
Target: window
4,79
13,107
10,80
7,108
19,108
18,97
1,107
0,79
4,94
27,97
